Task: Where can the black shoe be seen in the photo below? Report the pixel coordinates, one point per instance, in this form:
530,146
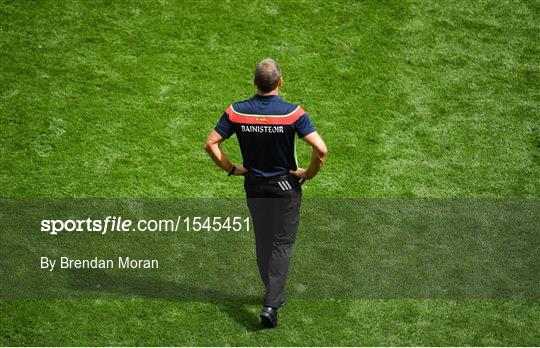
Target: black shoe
269,317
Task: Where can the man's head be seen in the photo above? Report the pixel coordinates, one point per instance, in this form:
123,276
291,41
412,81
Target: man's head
267,76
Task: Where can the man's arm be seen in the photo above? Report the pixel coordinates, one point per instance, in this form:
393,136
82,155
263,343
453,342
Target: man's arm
218,156
318,156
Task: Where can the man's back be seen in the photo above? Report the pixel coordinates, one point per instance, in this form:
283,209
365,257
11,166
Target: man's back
265,127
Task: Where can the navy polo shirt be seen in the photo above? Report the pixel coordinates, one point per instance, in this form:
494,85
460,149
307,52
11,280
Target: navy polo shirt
266,127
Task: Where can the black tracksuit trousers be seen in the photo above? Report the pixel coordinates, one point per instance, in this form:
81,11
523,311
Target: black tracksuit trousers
274,205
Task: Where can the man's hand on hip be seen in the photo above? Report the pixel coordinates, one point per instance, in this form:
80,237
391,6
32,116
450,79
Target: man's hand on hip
301,174
240,170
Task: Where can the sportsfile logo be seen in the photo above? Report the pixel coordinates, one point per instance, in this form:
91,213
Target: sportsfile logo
119,224
110,223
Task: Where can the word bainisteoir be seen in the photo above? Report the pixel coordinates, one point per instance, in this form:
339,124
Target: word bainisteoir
119,224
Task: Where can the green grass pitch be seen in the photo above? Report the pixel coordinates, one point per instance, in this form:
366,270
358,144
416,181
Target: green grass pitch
414,98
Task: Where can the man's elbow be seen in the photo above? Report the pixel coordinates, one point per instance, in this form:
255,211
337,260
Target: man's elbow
208,146
320,154
322,151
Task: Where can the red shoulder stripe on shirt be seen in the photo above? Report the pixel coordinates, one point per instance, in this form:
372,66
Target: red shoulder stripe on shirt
287,119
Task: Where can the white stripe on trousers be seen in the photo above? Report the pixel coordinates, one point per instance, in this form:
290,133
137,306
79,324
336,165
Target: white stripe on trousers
284,185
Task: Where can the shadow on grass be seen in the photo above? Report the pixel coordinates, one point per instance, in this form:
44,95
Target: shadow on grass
100,284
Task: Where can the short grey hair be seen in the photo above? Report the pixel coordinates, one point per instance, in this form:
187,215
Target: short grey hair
267,75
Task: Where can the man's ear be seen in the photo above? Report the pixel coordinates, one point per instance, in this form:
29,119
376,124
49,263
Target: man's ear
280,82
254,83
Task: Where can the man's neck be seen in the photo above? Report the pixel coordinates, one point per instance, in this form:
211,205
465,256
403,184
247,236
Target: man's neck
267,94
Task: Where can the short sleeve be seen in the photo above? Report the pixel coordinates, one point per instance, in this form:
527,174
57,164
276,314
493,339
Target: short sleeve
304,126
224,126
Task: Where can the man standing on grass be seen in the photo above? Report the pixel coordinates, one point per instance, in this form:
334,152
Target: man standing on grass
265,126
